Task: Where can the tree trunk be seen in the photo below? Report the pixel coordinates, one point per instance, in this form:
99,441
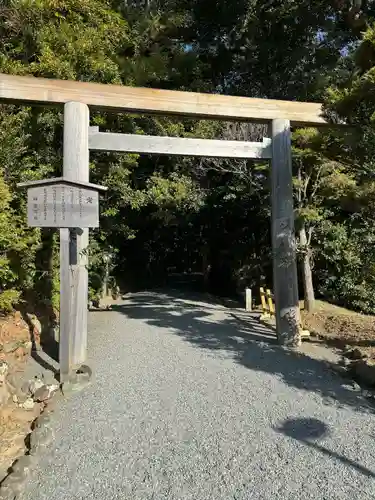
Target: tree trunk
206,267
308,287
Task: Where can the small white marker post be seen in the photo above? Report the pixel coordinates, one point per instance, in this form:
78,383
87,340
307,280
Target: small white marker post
248,299
72,206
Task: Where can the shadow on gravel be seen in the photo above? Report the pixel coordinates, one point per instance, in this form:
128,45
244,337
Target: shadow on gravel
248,343
308,431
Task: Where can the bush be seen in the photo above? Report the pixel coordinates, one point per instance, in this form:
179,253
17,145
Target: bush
8,299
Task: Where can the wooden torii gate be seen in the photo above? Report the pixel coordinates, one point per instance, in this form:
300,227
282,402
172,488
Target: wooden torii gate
79,138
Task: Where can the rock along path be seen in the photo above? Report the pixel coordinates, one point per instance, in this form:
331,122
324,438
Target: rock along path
187,402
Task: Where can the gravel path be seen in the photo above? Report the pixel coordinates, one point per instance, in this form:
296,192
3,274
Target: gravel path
189,403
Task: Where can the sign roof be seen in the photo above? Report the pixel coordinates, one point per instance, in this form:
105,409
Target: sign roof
62,180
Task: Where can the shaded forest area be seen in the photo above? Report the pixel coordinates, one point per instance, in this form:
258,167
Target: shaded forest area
163,217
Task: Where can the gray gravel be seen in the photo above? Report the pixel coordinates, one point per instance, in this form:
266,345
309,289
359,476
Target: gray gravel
189,403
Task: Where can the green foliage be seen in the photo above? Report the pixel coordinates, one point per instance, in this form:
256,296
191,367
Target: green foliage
186,214
176,192
348,274
347,237
9,299
66,39
17,251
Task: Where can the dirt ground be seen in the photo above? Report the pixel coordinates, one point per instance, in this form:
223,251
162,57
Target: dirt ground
341,327
14,421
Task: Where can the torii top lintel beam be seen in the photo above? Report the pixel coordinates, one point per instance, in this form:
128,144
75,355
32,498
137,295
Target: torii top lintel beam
29,90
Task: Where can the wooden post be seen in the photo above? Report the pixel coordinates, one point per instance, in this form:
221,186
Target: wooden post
65,303
73,263
263,300
283,237
248,299
270,302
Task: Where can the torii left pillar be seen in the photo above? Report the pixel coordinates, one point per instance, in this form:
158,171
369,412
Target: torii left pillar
73,245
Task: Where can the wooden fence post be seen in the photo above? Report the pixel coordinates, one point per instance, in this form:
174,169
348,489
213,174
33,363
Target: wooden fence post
283,237
73,243
270,303
263,300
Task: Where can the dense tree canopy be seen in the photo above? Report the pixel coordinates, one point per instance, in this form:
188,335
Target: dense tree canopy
167,216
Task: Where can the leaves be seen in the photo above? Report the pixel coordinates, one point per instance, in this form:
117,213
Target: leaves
208,216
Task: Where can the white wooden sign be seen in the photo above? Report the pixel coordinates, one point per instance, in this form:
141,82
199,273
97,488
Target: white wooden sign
62,205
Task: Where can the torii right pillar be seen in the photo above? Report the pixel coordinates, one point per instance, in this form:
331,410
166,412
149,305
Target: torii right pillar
285,282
